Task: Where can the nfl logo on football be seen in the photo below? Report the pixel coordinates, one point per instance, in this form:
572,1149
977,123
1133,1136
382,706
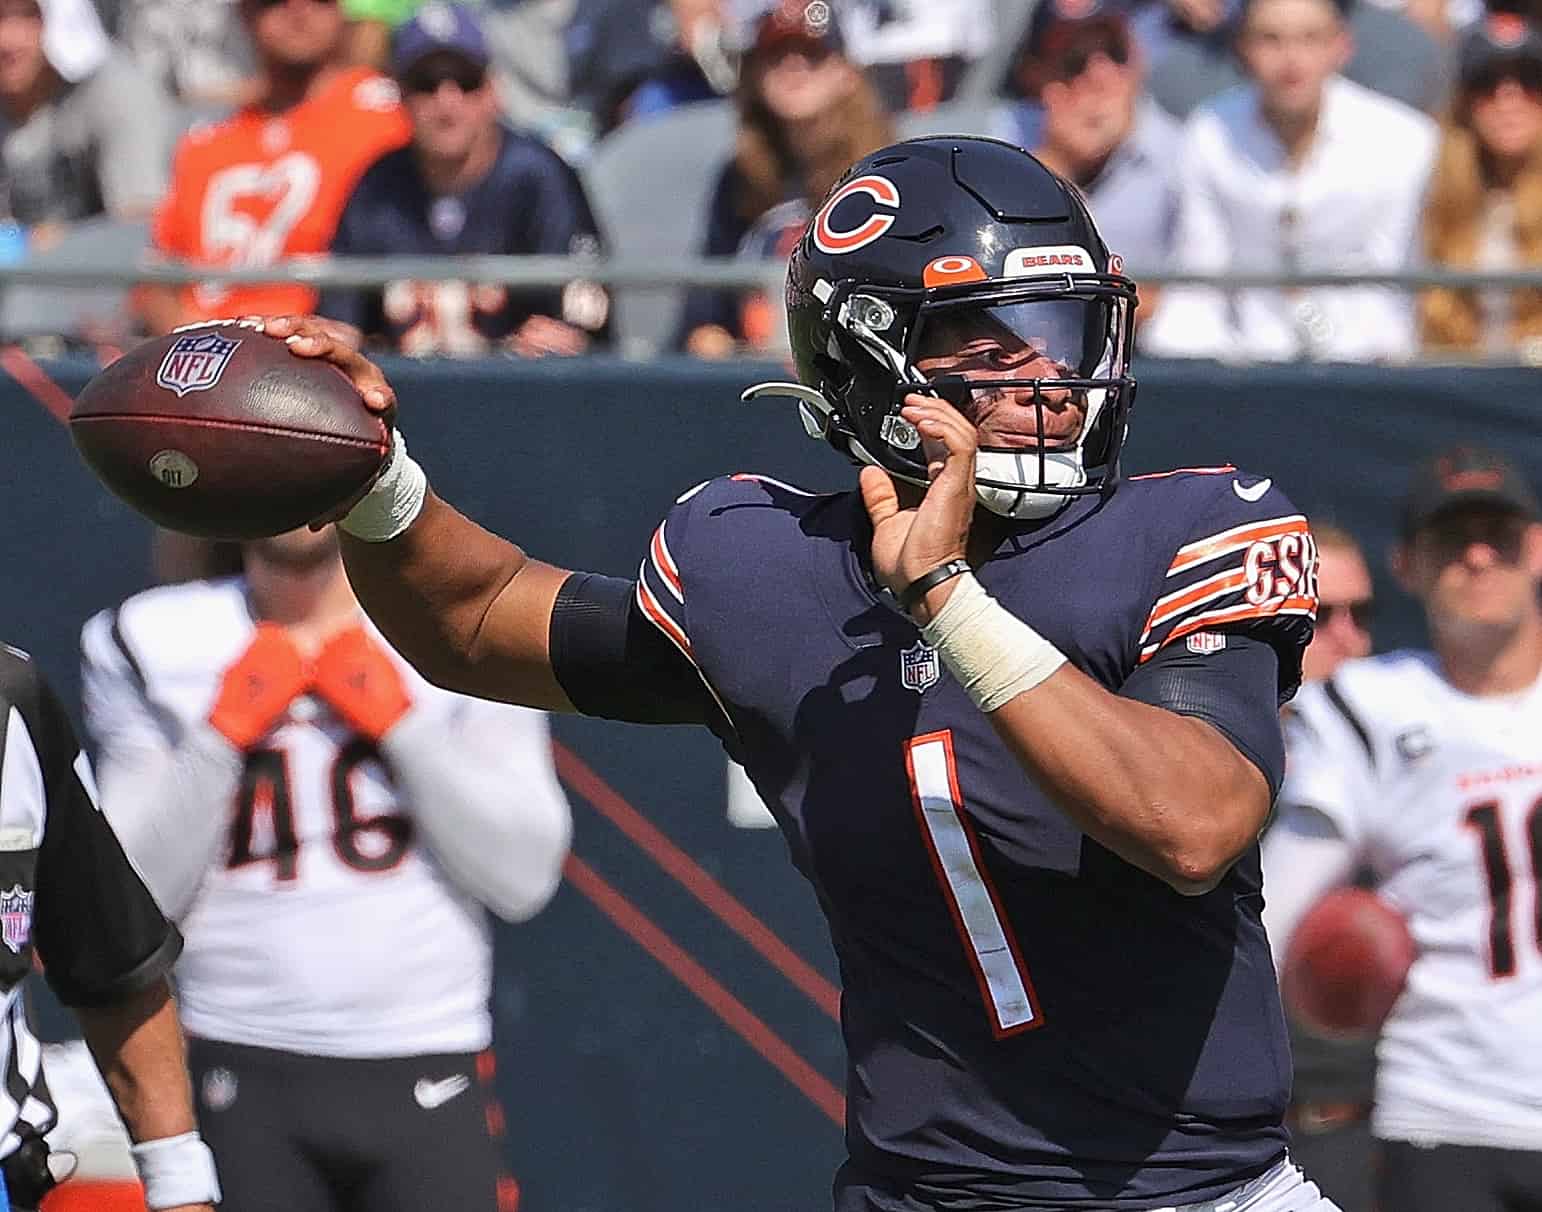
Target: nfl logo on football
195,362
919,668
16,918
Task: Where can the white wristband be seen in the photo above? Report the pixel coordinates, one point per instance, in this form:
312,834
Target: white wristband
395,500
176,1170
993,654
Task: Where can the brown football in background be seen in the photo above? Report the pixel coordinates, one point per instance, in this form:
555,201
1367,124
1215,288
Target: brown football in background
1346,963
219,431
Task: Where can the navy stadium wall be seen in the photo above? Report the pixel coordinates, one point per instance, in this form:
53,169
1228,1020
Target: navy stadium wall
666,1029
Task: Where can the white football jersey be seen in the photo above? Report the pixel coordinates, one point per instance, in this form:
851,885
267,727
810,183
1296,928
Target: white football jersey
1440,793
324,924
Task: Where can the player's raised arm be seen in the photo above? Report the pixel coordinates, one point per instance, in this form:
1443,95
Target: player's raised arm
1166,791
470,610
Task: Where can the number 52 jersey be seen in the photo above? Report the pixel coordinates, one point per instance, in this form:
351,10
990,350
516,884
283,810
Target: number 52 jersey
1029,1019
1440,794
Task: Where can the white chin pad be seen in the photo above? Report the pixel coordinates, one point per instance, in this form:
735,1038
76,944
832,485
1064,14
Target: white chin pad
1061,469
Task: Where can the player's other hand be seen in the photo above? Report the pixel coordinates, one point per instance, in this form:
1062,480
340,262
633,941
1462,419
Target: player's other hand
908,542
362,684
337,343
256,691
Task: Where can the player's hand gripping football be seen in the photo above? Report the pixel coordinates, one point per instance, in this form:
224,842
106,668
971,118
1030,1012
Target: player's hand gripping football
910,541
361,683
256,691
338,343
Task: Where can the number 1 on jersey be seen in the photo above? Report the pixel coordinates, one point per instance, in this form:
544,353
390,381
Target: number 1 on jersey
955,855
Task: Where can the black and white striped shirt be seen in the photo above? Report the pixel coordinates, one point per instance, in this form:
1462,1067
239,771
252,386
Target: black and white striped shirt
66,889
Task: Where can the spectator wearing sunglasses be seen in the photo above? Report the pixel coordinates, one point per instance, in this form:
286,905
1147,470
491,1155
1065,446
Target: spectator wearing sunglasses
1345,603
467,184
269,183
1298,170
1330,1107
1425,767
1084,111
1484,209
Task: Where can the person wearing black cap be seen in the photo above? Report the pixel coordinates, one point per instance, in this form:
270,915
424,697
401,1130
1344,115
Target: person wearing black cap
466,184
1484,209
1426,766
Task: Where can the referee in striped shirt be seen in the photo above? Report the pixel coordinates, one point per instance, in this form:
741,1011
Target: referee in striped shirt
67,890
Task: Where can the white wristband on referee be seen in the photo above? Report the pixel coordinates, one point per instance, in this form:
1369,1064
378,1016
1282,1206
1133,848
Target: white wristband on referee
176,1170
993,654
395,500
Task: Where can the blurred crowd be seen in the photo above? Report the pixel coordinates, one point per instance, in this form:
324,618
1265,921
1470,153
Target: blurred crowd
1215,137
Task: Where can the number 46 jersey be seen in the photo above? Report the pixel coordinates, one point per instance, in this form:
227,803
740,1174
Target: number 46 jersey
1029,1020
1440,794
325,923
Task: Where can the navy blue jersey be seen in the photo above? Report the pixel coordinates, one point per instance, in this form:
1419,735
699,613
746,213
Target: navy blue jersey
1030,1020
531,202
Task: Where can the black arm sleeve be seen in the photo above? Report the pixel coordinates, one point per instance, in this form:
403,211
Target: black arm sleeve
613,663
1234,688
97,928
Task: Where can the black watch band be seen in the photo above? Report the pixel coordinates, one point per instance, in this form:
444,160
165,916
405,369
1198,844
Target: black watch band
918,588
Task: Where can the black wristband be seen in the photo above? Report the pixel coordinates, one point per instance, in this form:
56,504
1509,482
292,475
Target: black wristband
918,588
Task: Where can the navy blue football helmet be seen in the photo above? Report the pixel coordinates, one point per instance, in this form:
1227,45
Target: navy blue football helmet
924,242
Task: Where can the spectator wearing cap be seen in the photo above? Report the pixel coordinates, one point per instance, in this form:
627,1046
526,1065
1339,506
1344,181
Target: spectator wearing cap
85,131
466,184
1484,209
805,113
1425,767
1085,114
1298,170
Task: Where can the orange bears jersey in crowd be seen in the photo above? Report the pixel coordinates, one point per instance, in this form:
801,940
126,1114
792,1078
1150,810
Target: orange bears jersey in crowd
260,187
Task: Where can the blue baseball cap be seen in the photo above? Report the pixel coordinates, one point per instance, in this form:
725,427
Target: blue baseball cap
437,27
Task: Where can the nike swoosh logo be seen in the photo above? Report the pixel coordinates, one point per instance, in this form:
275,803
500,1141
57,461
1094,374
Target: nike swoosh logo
1253,492
431,1094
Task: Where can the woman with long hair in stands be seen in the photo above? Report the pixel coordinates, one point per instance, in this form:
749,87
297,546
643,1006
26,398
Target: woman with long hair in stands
1484,209
805,113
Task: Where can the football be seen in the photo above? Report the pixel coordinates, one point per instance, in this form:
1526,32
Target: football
1346,963
217,430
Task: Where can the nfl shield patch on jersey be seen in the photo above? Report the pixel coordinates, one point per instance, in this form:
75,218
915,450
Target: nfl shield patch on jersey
16,918
1205,642
919,668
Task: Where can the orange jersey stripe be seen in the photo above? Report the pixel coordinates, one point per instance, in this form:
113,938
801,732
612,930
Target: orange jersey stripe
665,563
1222,470
1301,605
660,619
1201,551
1174,604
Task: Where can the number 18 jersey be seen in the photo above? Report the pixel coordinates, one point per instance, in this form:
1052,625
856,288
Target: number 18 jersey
1440,793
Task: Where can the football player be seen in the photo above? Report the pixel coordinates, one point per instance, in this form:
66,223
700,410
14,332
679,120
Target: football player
1426,767
1016,717
326,828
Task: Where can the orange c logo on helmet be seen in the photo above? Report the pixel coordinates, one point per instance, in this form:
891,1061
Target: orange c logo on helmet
828,238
